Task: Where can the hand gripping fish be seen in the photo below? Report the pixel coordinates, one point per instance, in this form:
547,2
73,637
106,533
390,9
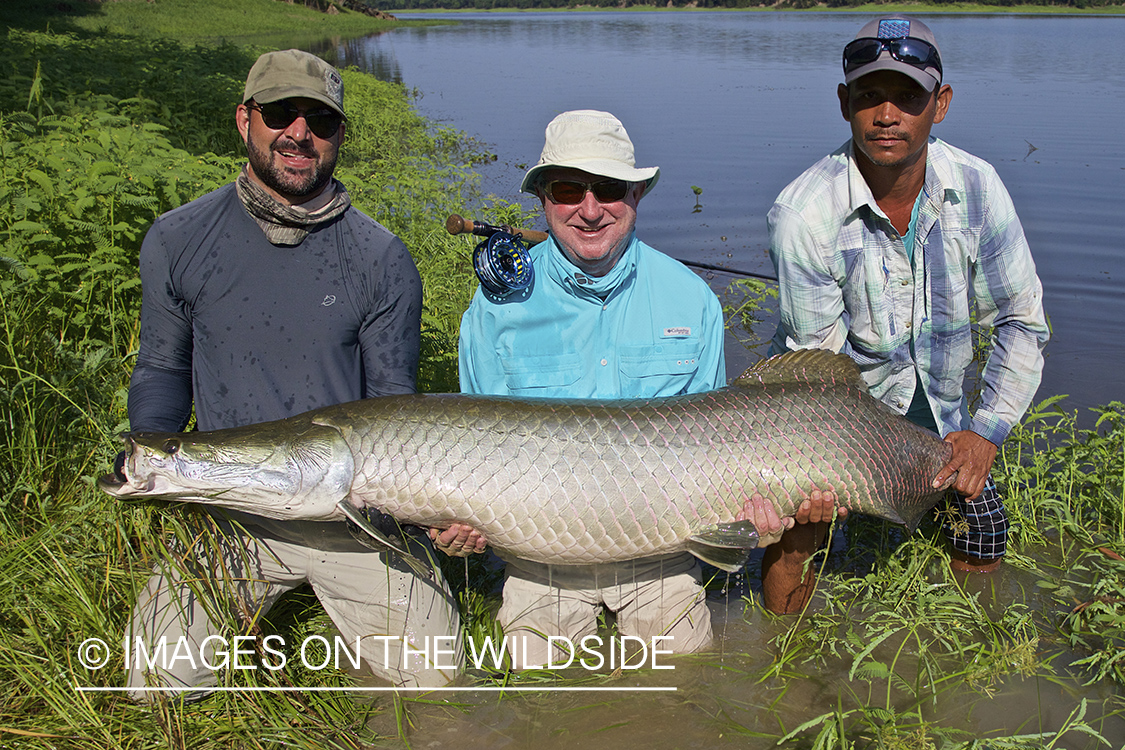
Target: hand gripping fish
565,481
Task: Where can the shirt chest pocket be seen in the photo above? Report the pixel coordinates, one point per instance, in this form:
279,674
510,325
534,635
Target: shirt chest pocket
960,250
666,368
541,375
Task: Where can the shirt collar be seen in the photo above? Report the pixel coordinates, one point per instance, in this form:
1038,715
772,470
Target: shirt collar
939,179
575,280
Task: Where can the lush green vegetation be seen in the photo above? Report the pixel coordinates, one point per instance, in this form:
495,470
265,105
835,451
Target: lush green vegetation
101,133
191,20
913,636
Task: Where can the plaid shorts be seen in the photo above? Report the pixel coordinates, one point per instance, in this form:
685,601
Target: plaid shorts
982,529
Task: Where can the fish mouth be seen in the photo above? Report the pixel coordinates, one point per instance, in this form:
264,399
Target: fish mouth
111,483
132,483
124,488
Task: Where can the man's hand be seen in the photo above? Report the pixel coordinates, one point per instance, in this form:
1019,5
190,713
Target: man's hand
119,466
459,540
786,582
819,506
972,460
760,511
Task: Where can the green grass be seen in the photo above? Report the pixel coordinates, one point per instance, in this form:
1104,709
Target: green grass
190,20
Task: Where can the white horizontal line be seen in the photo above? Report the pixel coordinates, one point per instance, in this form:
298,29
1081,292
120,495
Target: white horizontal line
513,689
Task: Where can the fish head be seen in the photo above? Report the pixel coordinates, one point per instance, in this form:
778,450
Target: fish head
259,469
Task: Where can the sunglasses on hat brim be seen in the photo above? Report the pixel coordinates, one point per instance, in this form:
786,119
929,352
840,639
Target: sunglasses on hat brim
324,122
917,53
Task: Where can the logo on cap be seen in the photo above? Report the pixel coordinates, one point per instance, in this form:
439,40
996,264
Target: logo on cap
333,86
894,28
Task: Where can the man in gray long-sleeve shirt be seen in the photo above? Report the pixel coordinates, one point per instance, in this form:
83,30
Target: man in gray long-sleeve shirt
263,299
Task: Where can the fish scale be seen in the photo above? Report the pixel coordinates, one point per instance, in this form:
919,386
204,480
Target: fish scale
704,437
580,482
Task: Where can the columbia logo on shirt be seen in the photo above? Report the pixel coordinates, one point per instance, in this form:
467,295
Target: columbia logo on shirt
677,331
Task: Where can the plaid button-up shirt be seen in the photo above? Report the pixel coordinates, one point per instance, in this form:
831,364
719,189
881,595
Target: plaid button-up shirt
848,284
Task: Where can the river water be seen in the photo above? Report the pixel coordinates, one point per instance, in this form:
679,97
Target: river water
738,104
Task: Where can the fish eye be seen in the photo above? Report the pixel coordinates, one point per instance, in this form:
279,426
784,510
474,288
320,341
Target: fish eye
171,446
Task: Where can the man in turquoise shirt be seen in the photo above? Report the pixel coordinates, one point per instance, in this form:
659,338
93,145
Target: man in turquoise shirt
606,317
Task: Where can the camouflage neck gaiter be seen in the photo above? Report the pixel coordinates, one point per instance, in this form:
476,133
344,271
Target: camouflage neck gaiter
282,224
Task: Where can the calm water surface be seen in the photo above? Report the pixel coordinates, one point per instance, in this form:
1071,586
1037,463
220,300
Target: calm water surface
739,104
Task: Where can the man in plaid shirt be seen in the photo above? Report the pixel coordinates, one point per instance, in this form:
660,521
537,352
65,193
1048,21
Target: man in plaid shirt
879,248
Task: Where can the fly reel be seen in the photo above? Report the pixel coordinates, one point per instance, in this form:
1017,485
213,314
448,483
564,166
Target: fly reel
503,264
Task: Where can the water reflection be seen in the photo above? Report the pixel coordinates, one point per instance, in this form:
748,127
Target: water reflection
721,696
363,54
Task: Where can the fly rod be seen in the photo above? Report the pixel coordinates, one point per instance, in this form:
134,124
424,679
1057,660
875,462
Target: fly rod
456,224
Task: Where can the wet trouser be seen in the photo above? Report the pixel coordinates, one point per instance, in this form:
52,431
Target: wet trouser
655,598
984,531
407,626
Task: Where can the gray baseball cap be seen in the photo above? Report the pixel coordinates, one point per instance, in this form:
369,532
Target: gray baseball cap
927,71
291,73
593,141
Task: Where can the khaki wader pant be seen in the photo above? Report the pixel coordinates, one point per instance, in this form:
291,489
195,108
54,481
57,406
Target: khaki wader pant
366,598
661,596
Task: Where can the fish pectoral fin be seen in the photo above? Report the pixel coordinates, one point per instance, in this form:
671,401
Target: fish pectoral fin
379,540
727,546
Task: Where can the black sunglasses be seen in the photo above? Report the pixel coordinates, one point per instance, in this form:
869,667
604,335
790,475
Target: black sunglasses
323,122
572,192
916,52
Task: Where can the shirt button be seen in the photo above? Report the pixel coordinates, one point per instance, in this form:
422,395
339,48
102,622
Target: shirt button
604,362
909,324
906,282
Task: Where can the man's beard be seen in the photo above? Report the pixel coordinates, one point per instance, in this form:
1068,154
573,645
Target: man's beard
284,182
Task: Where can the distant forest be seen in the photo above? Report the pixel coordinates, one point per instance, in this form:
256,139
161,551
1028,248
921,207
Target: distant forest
779,4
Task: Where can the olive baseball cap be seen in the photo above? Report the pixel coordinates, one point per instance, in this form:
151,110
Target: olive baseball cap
922,62
593,141
291,73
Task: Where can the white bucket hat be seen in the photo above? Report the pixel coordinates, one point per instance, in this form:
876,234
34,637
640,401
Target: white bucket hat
593,141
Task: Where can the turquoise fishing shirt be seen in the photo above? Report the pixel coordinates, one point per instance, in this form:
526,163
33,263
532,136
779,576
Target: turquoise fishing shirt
848,284
650,327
